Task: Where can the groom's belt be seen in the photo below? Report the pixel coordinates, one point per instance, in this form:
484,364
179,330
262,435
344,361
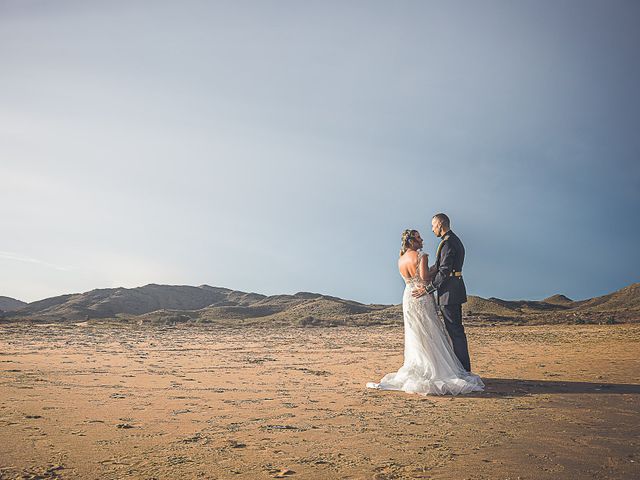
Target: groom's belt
431,288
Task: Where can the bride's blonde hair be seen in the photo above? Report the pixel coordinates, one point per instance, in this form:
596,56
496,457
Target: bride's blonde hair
407,240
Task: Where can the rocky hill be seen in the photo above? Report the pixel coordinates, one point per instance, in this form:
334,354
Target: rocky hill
116,302
167,304
203,304
620,306
558,300
8,304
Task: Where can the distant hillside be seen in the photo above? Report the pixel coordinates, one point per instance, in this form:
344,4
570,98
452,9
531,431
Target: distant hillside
558,300
625,299
114,302
620,306
203,304
166,304
8,304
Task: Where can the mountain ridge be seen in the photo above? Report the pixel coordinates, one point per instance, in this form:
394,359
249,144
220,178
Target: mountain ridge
8,304
165,304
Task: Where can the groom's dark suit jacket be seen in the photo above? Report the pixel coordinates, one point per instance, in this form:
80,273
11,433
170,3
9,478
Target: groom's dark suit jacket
448,279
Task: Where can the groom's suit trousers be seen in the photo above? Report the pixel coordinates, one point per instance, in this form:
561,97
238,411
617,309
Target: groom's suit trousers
452,315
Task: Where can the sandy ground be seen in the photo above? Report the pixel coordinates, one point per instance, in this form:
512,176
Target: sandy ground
102,402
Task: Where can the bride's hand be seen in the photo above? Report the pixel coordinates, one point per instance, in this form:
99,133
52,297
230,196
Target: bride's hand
419,292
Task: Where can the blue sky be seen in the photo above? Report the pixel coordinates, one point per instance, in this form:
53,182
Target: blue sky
283,146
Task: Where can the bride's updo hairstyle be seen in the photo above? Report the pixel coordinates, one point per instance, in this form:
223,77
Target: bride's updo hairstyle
407,240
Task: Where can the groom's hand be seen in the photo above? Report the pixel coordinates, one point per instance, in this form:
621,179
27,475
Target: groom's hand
419,292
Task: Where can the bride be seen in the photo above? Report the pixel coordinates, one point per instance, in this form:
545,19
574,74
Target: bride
430,364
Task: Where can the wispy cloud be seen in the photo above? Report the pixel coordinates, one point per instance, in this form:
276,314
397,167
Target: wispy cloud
22,258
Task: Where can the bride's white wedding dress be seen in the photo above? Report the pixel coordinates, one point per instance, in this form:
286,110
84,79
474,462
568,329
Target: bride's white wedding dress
430,365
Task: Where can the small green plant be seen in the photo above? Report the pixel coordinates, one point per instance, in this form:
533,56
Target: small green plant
610,320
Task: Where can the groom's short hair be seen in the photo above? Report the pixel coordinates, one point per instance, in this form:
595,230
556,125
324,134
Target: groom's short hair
443,219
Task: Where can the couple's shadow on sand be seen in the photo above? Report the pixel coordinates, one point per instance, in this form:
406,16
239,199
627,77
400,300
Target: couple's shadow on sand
515,387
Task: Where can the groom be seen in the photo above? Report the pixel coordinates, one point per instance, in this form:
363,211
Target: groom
446,275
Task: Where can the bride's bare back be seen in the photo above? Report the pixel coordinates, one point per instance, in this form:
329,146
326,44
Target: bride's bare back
409,267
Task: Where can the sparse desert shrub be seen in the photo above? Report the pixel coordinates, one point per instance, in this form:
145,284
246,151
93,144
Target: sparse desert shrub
610,320
308,321
171,319
202,321
580,321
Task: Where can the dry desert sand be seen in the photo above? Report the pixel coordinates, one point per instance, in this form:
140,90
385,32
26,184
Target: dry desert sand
109,402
